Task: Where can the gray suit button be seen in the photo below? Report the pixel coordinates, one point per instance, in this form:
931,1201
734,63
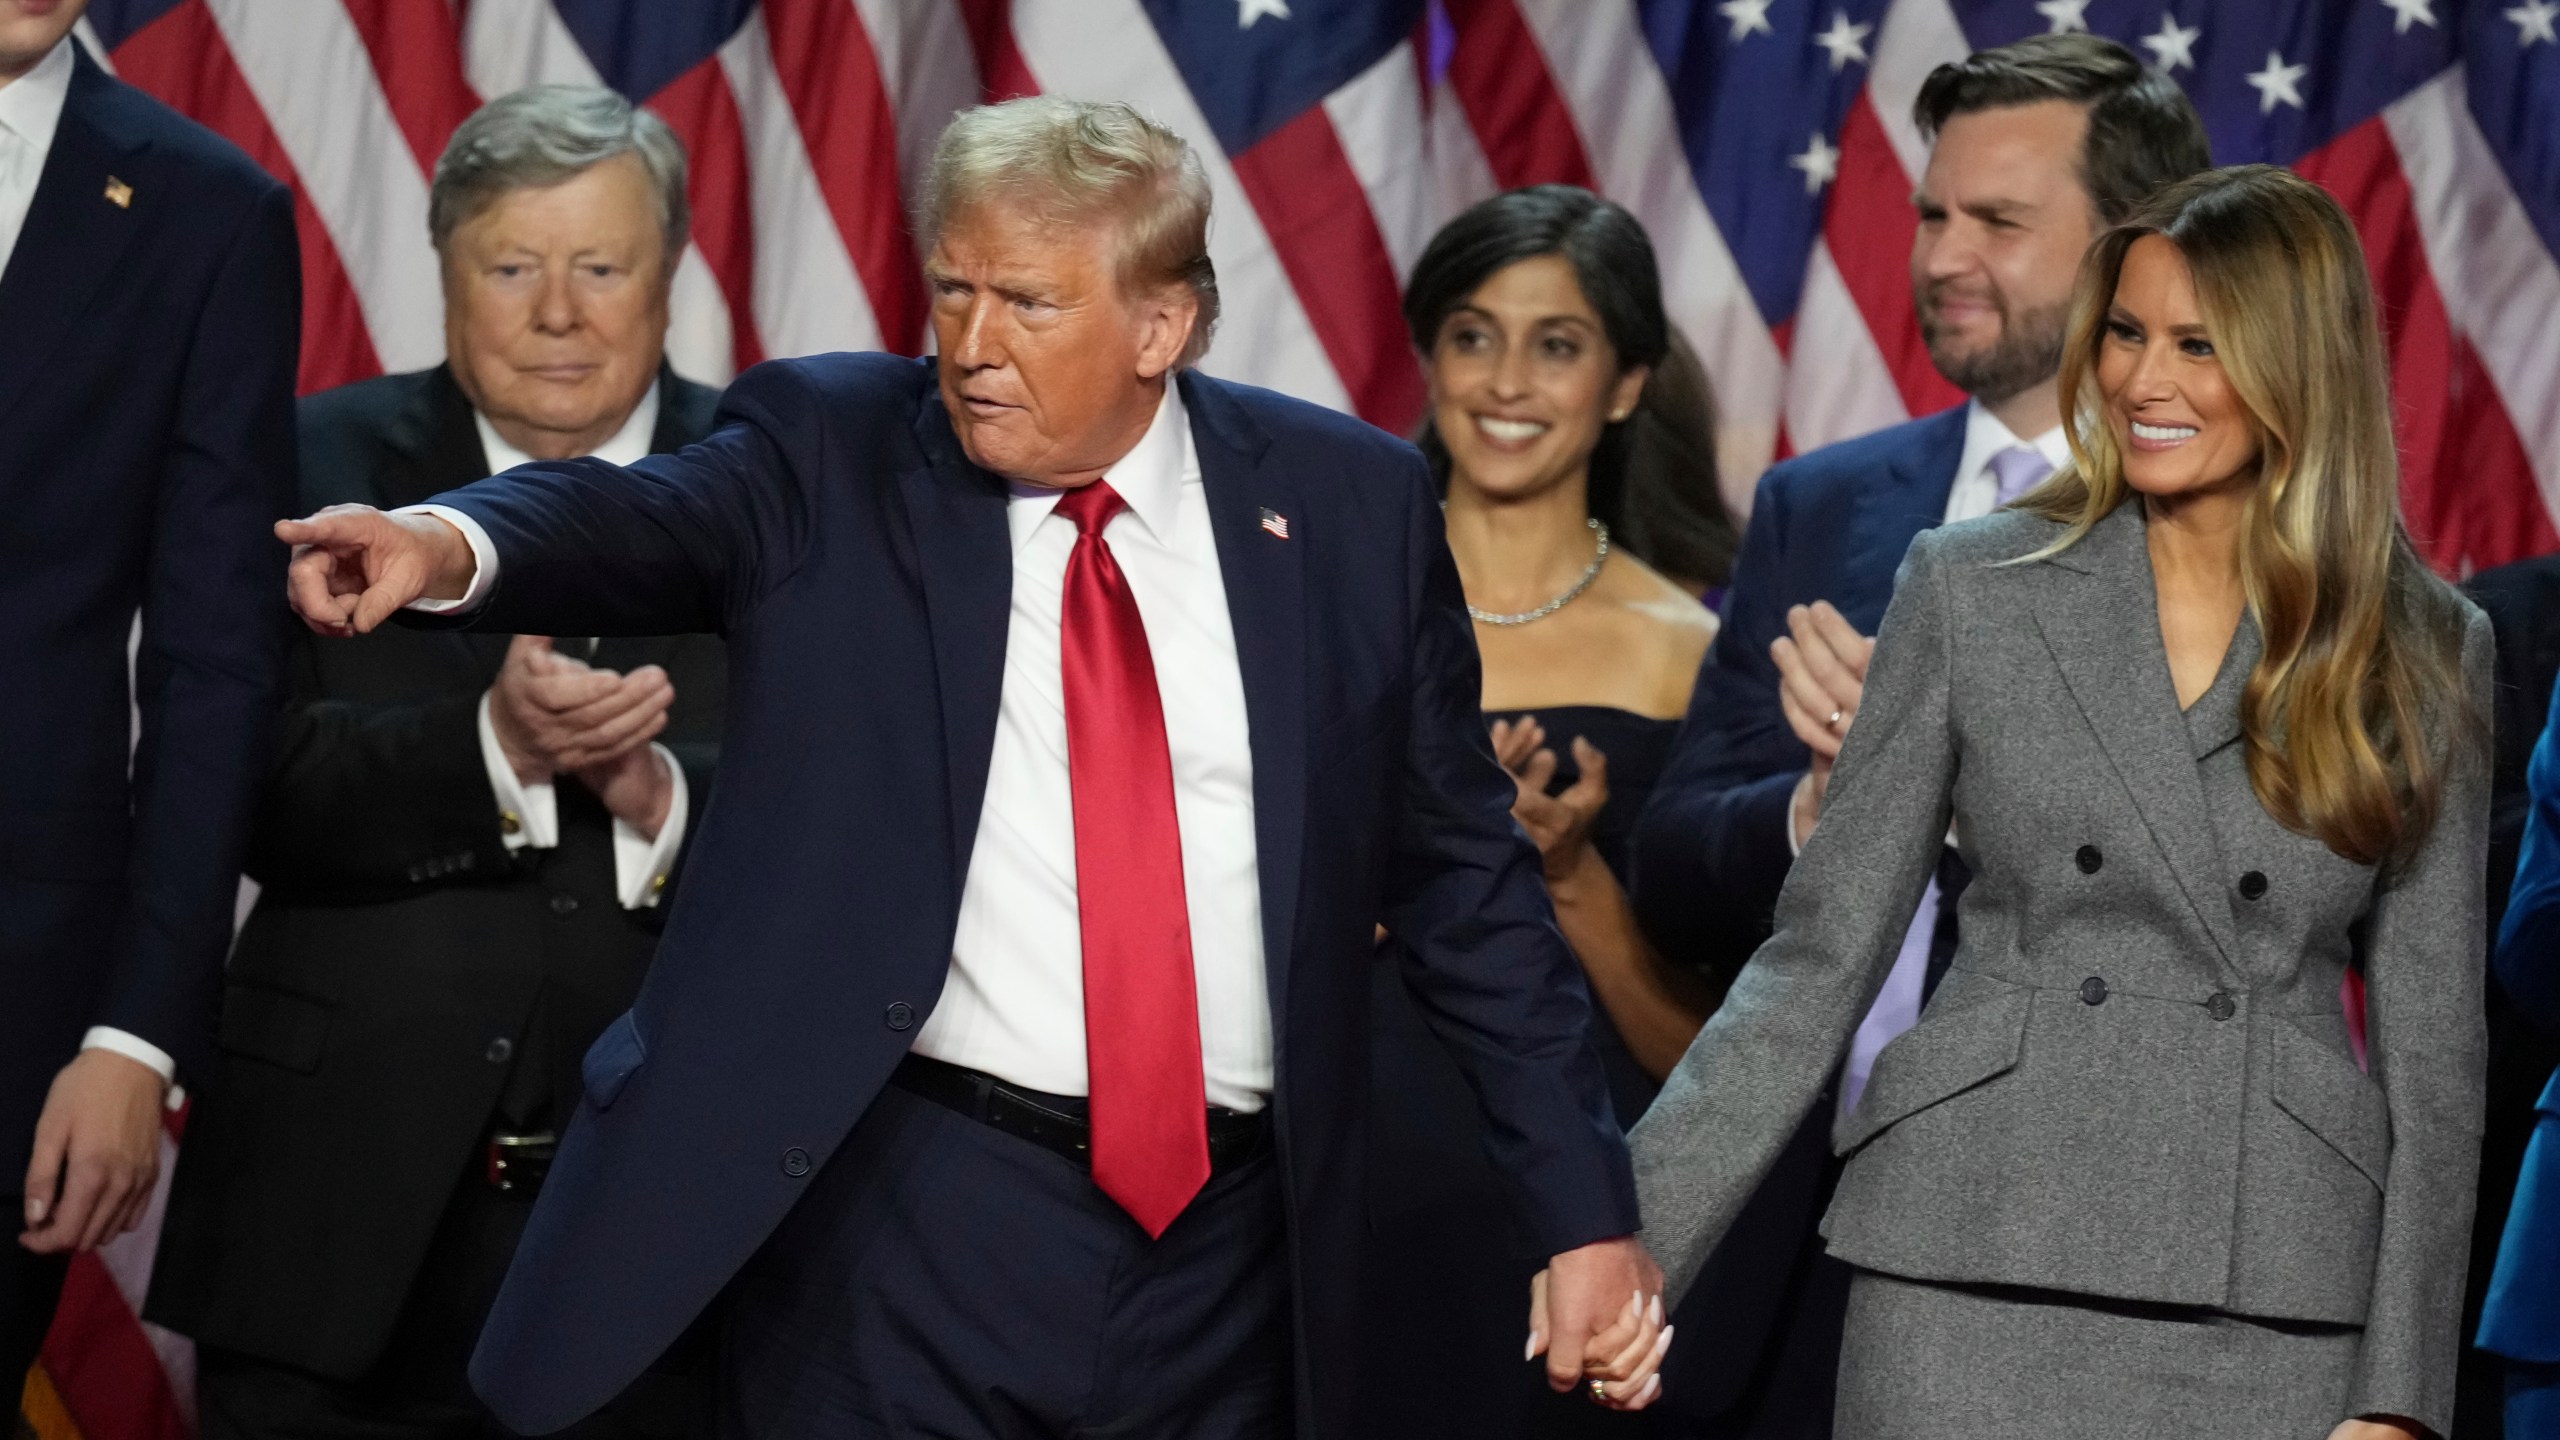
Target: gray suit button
564,904
2093,991
2252,885
901,1015
2221,1006
795,1162
2089,859
500,1051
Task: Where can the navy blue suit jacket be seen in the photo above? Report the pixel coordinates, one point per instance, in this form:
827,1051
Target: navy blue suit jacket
861,570
147,354
2521,1317
1711,848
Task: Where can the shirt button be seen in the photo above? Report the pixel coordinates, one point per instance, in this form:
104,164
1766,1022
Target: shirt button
2093,991
2089,859
500,1051
2221,1006
900,1015
795,1162
564,904
2252,885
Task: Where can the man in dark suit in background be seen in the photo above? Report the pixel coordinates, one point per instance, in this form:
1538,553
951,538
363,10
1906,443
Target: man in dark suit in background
465,847
1005,1064
150,302
2037,147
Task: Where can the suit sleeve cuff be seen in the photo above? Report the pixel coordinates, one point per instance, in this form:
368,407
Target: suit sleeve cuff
484,556
528,815
134,1047
641,865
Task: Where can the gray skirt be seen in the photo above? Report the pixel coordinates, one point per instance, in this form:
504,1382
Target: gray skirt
1947,1362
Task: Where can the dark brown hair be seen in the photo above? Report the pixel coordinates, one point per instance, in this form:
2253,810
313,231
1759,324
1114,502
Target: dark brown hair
2143,131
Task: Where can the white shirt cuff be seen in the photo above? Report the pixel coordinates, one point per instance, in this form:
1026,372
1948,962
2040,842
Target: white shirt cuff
1795,804
527,814
134,1047
484,555
640,864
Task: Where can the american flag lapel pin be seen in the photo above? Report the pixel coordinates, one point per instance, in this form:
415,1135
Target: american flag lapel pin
1275,522
119,194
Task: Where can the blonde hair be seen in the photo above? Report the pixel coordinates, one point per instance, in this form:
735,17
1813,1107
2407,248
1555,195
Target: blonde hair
1086,162
2362,643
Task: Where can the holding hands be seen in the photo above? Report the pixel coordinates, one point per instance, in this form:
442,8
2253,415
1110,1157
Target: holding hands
1612,1348
1822,675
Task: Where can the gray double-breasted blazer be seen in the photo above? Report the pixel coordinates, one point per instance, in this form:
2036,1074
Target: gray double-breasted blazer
2136,1080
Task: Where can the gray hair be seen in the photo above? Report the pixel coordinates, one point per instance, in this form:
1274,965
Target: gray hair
543,135
1086,162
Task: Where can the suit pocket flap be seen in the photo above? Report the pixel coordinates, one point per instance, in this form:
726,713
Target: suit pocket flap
1941,1057
612,1060
2334,1100
277,1026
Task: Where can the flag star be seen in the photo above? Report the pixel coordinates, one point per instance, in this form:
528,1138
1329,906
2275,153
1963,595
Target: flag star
1820,163
1845,41
1248,11
2174,48
2535,20
1749,17
2278,84
2065,16
2410,12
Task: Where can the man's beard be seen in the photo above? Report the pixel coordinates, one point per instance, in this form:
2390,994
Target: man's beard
2028,352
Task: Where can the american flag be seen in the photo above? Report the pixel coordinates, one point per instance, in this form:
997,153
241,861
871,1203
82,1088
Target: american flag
1767,145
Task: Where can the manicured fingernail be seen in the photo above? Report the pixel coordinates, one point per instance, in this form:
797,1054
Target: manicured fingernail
1657,1309
1531,1351
1652,1387
1635,1303
1662,1346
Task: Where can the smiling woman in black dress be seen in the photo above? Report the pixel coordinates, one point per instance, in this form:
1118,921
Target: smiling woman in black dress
1571,439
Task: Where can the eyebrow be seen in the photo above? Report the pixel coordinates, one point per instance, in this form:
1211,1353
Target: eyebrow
2180,332
1580,322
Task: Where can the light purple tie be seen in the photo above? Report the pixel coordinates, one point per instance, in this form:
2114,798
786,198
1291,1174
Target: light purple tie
2014,471
2017,470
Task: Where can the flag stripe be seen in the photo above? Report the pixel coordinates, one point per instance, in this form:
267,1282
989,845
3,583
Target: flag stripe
832,74
417,60
1520,118
698,106
1870,230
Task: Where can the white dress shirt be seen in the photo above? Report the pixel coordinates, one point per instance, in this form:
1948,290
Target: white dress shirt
640,864
30,111
1985,435
1013,1005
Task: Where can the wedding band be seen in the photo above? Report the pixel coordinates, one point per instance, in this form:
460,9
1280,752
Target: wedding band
1834,722
1600,1390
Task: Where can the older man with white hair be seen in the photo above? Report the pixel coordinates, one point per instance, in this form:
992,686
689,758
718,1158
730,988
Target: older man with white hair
1003,1069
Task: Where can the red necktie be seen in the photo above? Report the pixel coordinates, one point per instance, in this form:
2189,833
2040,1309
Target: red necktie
1141,1012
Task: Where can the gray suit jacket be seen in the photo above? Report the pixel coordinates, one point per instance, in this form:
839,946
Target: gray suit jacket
2135,1081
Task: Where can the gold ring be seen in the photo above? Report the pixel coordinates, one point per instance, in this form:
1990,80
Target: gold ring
1600,1391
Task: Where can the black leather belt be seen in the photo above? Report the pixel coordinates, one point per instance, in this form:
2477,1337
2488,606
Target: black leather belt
1057,1122
518,1164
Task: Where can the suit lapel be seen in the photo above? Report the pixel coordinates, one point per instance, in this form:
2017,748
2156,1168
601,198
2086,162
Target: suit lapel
74,236
1266,603
1912,499
2099,614
964,558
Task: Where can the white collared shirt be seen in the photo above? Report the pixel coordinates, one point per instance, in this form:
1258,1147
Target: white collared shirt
30,111
640,864
1013,1005
1977,489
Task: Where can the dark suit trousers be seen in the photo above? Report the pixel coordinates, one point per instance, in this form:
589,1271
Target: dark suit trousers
419,1390
29,1286
944,1279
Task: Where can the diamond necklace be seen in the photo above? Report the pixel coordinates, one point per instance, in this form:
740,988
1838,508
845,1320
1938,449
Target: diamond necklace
1590,573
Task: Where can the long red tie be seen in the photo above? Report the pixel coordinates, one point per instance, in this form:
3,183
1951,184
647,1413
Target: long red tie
1141,1011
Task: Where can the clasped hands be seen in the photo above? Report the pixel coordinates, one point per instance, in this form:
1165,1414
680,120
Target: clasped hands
1595,1313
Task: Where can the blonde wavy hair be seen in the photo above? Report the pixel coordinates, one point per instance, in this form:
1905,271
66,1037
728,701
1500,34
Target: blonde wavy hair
2362,643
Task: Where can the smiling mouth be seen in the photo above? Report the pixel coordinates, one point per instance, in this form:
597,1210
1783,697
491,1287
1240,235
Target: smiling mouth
1509,432
2163,435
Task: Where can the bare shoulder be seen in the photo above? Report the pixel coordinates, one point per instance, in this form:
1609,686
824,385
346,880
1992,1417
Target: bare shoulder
1671,628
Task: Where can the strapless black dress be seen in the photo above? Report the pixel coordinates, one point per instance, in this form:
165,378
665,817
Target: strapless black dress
1447,1275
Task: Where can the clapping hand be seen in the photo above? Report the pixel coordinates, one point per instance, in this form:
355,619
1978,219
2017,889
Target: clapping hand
555,715
1560,824
1610,1348
1822,676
